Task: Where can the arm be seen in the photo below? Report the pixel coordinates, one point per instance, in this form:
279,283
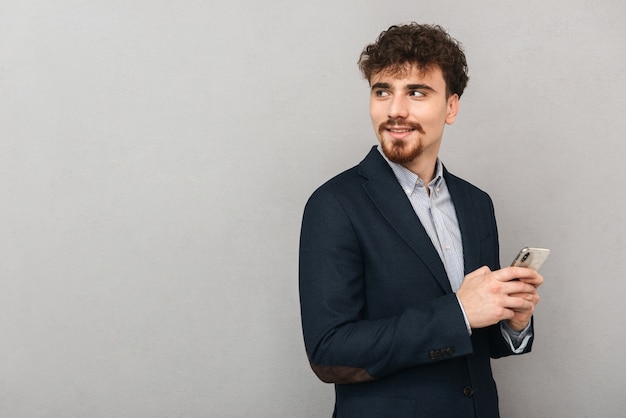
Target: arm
514,333
343,342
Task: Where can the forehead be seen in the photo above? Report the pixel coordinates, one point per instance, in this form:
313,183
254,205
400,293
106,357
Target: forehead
431,74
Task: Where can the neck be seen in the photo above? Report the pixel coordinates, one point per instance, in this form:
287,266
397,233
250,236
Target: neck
424,167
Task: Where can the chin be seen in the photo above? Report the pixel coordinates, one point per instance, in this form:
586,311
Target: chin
401,154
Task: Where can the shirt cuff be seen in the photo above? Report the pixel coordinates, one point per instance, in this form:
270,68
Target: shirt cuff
518,340
467,324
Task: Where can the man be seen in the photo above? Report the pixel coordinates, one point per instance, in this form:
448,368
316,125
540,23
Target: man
403,300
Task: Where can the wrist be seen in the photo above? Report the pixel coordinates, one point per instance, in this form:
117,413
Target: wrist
517,326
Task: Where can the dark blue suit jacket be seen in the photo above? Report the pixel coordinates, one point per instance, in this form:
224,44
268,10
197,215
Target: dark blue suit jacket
379,317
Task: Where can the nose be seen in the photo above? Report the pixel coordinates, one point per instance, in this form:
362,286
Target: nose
398,107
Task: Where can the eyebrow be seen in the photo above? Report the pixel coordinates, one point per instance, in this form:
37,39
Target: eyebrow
381,86
419,87
408,86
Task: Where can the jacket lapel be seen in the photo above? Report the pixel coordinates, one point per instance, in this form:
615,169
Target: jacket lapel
386,193
468,223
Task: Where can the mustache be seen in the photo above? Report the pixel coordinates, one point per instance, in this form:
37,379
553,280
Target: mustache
393,123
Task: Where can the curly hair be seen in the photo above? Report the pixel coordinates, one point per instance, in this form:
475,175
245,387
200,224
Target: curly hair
414,44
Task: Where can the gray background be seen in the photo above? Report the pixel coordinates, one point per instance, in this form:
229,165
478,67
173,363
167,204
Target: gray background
155,157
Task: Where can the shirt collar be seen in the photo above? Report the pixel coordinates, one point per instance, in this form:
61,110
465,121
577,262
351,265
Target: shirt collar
408,179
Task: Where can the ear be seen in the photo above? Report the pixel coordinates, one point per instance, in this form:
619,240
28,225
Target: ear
453,108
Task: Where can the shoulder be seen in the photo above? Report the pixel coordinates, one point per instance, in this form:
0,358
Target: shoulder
334,193
339,183
348,184
465,186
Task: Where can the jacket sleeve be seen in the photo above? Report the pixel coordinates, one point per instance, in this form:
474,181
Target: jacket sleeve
343,343
499,346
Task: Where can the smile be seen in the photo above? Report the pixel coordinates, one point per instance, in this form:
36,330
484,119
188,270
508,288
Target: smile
399,133
400,129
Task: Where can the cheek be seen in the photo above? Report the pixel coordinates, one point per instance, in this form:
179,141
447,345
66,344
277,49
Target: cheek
375,109
433,119
378,115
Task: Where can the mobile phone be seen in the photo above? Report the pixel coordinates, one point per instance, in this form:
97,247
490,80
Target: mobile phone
531,257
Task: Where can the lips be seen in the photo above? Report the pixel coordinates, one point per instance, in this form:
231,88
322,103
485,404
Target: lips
400,128
399,132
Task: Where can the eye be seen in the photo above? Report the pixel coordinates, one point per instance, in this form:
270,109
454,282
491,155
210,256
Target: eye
381,93
416,93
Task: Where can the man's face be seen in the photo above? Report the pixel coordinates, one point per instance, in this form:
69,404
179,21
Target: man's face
409,111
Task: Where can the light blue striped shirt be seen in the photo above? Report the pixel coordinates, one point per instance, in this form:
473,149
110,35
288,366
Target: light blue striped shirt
435,210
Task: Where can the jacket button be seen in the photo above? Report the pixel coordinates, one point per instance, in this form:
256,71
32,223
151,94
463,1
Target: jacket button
468,391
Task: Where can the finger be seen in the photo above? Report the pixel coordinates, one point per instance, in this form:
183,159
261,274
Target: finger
525,296
524,274
519,304
525,308
534,298
507,274
536,280
518,287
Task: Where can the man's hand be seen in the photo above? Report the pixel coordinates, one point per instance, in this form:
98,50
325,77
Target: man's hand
510,294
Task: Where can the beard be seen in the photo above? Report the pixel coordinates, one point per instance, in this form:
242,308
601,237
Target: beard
400,151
